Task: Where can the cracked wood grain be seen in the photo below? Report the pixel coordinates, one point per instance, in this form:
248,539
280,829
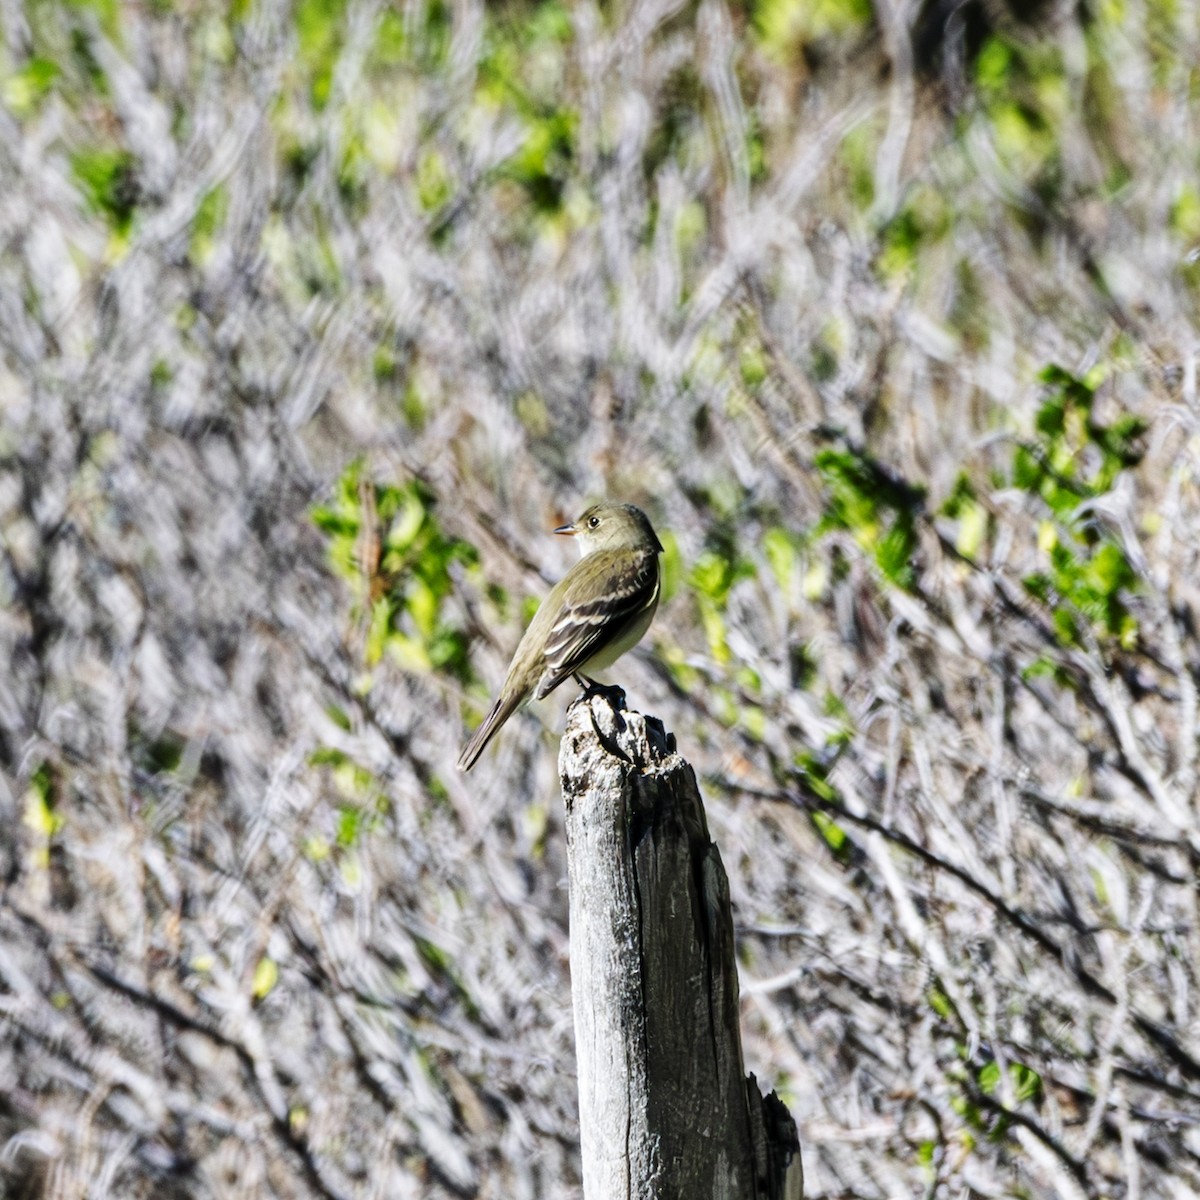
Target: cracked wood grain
666,1109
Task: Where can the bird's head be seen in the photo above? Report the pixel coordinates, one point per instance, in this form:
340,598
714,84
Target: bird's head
608,526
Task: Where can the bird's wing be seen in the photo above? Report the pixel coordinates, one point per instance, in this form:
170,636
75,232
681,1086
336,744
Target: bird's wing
585,626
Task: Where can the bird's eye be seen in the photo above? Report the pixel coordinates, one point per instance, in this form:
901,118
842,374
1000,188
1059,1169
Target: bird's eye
593,522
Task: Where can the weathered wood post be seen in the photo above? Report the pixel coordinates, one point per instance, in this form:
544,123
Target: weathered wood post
665,1108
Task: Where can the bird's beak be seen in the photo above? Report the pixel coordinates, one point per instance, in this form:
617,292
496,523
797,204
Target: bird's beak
566,530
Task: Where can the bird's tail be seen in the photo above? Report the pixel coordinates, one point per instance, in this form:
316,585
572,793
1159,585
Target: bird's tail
504,708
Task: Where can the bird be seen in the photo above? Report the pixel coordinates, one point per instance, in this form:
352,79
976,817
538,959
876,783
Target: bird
600,609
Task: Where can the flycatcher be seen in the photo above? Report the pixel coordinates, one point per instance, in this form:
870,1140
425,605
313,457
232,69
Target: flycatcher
597,611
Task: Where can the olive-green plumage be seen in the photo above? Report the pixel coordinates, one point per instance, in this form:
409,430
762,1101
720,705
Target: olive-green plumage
597,611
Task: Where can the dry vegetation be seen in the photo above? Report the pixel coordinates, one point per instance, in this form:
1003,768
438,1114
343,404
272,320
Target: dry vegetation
314,318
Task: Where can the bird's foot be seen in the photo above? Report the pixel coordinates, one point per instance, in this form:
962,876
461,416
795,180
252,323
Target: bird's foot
591,687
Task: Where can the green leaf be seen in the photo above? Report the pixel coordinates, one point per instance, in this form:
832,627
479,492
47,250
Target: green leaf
407,617
448,650
23,91
1027,1082
409,654
895,551
714,631
961,495
209,219
316,848
752,361
923,220
876,507
423,605
814,774
40,815
1185,213
326,756
989,1076
266,976
433,180
390,45
754,721
832,832
319,32
972,530
780,547
716,572
351,822
544,161
941,1004
379,629
710,576
992,65
408,522
672,564
433,954
1044,667
339,717
784,27
108,178
1090,575
107,12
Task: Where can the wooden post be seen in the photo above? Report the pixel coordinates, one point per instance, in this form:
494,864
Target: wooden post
665,1108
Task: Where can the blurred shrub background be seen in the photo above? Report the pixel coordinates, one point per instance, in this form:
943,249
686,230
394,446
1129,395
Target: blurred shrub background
315,317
